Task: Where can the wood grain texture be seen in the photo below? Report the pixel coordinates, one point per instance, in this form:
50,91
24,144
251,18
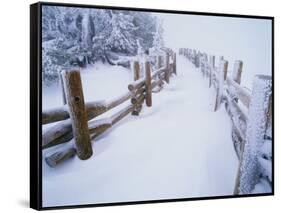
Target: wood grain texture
148,86
78,115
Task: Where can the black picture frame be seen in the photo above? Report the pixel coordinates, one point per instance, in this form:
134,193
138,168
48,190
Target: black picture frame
36,102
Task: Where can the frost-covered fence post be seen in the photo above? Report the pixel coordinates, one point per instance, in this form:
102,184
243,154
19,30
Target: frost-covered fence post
221,78
189,54
205,62
193,54
148,86
62,89
78,115
250,170
159,61
167,71
197,60
212,67
175,64
136,70
237,72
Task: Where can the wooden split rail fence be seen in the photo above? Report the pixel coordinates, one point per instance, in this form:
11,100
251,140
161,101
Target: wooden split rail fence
75,123
249,112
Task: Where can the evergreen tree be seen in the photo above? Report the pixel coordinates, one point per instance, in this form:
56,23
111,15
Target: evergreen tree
80,36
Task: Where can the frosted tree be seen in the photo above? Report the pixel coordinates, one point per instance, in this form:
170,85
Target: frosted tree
158,41
88,29
121,38
146,27
80,36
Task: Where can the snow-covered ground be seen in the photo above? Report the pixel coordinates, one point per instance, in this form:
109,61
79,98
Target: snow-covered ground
178,148
100,81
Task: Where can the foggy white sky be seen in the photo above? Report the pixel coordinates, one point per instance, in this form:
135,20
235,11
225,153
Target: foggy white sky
243,39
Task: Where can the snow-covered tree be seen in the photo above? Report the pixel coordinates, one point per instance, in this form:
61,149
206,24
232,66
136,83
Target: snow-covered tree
158,41
122,37
80,36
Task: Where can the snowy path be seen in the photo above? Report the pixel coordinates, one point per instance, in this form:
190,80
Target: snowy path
178,148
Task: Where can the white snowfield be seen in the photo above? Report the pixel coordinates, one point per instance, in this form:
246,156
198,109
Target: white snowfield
178,148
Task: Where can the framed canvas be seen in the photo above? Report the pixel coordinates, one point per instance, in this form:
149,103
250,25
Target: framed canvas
134,105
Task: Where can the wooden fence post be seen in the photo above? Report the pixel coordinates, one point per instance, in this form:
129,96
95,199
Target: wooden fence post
202,64
138,106
212,67
62,89
193,56
221,78
175,64
197,60
148,87
136,70
167,72
259,115
159,76
236,74
237,71
78,115
159,62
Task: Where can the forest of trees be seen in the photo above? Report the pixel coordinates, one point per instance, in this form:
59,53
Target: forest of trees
77,37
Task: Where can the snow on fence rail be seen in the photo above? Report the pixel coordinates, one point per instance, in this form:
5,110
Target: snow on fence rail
251,123
75,122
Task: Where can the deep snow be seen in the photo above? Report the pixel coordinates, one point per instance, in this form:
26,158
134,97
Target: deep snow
178,148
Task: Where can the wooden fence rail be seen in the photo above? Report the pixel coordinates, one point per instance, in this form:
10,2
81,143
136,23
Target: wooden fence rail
251,123
75,122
